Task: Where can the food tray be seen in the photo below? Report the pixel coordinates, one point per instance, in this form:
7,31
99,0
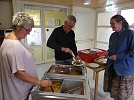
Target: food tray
56,85
76,90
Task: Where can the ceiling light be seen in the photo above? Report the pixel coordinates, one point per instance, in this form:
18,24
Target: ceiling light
109,2
87,2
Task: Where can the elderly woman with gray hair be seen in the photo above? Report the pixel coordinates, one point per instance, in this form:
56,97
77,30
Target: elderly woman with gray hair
17,67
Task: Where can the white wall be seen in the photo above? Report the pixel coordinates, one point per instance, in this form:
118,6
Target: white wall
103,30
92,18
6,12
86,29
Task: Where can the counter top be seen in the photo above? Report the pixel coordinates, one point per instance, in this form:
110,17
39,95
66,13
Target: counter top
97,69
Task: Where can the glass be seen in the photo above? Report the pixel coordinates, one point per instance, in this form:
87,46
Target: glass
103,34
49,51
84,44
132,29
27,30
104,18
82,27
54,18
35,14
37,53
102,46
35,37
70,27
128,15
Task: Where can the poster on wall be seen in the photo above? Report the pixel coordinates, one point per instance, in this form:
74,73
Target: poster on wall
51,21
35,37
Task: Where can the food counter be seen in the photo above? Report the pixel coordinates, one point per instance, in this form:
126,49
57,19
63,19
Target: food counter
67,71
68,83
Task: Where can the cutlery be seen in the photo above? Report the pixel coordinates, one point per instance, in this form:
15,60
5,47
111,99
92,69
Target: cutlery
52,88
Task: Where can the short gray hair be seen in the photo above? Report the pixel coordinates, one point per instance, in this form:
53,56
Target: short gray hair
22,19
70,18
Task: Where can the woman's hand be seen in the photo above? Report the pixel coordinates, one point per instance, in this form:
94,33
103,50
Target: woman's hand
113,57
106,54
45,83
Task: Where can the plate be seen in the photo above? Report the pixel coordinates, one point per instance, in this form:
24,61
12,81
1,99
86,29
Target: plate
94,65
73,62
101,60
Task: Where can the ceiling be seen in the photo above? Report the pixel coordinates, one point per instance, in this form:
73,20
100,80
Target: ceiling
94,3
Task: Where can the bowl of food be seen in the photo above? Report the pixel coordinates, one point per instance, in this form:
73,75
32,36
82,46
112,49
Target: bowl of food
78,63
101,60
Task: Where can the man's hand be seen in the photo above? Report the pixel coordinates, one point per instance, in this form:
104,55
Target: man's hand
78,58
67,50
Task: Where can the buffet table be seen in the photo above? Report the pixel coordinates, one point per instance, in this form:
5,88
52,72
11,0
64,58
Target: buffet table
95,76
69,82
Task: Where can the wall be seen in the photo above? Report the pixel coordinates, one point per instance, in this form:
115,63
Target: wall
120,6
92,17
85,31
6,12
104,30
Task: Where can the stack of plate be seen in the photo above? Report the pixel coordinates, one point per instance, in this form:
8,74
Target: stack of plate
94,65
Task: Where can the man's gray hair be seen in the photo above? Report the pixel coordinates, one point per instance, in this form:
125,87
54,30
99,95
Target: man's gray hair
22,19
70,18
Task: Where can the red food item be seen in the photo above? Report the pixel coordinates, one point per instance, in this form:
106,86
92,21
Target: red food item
54,69
62,70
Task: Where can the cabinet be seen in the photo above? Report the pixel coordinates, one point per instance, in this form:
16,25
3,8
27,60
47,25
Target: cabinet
4,33
1,35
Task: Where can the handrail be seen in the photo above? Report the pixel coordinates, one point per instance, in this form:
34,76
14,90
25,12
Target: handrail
84,39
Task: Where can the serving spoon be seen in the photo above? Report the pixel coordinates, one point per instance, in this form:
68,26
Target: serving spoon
77,61
52,88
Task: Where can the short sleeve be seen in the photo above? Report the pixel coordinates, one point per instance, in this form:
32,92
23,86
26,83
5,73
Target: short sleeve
15,57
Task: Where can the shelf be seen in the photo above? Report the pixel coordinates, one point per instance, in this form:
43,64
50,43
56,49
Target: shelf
4,28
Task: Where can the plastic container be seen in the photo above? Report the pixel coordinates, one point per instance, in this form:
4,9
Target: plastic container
88,55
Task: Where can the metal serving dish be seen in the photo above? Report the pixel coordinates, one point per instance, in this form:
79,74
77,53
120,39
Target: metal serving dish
56,86
67,71
71,89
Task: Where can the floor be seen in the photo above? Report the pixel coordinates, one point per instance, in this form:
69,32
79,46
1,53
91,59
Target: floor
42,68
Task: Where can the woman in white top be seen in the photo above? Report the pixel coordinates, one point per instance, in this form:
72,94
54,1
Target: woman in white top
17,67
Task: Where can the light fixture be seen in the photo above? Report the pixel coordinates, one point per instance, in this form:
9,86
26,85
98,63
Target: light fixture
87,2
110,6
109,2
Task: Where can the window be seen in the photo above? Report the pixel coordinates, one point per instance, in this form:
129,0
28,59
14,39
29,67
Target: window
128,14
103,29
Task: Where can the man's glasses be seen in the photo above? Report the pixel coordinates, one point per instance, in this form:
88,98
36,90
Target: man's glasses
27,30
69,25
